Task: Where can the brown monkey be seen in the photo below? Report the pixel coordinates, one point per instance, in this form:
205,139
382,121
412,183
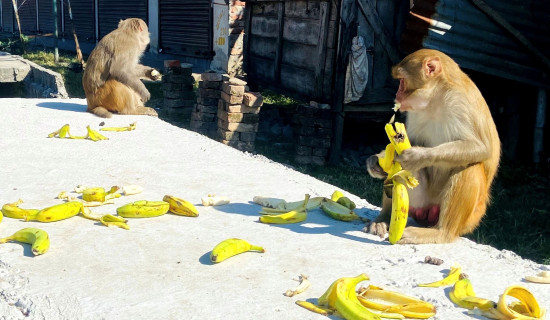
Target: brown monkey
111,79
455,151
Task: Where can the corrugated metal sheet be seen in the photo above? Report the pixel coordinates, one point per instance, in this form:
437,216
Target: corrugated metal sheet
83,18
477,42
27,15
112,11
45,16
186,28
7,16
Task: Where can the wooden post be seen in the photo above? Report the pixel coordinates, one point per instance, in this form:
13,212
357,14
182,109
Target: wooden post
18,23
246,37
324,19
347,20
539,125
55,33
279,43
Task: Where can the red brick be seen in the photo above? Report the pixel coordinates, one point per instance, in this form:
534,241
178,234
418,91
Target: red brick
253,99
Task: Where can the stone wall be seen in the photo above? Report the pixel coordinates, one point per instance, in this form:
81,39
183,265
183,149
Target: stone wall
236,35
313,133
177,87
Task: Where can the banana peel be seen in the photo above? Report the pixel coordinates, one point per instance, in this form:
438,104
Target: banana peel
452,277
293,216
337,211
464,296
527,306
131,127
395,303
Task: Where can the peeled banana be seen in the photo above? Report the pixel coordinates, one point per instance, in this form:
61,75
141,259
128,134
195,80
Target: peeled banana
214,201
303,286
12,210
464,296
394,302
143,209
57,212
131,189
294,216
398,179
450,279
37,238
541,277
181,207
337,211
231,247
131,127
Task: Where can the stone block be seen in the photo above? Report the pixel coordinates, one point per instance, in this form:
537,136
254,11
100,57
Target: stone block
253,99
207,101
209,93
222,104
229,135
233,90
251,118
169,86
313,142
207,108
312,122
230,116
240,145
237,126
204,117
210,84
231,99
211,76
248,136
236,82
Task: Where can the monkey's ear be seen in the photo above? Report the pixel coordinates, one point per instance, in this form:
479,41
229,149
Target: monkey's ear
432,66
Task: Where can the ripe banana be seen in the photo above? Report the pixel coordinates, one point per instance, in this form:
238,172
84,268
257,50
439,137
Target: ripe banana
347,303
464,296
337,211
181,207
541,277
315,308
12,210
303,286
131,127
294,216
232,247
143,209
37,238
99,194
407,306
57,212
450,279
397,179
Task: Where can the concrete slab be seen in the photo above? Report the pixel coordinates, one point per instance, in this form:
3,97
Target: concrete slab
160,268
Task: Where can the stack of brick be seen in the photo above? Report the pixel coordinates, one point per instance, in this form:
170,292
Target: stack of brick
238,115
177,86
204,116
313,130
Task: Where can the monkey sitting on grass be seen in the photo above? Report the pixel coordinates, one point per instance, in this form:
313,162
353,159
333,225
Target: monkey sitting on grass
111,79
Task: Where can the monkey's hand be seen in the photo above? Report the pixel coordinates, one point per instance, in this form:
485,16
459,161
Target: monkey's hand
153,74
144,94
374,169
415,158
376,228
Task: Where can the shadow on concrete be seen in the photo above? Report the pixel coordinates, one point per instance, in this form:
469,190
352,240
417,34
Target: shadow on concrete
65,106
317,222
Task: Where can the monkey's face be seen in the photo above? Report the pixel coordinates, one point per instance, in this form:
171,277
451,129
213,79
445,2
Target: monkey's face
415,87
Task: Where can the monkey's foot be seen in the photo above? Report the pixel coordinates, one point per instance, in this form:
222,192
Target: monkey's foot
150,112
376,228
416,235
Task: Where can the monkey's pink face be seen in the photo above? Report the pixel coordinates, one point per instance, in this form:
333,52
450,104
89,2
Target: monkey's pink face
411,99
401,96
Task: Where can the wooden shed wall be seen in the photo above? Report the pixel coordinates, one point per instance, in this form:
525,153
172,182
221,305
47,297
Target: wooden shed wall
291,45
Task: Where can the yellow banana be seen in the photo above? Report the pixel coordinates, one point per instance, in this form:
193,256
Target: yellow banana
143,209
131,127
99,194
95,135
347,303
399,211
313,307
464,296
297,215
232,247
407,306
12,210
57,212
181,207
527,307
338,211
450,279
337,194
398,136
37,238
1,216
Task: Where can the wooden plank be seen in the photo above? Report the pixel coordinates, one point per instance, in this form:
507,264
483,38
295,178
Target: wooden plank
347,29
321,49
246,38
279,41
369,11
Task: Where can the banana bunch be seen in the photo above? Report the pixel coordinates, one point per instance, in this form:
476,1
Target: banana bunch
37,238
64,132
398,179
12,210
402,305
56,212
131,127
232,247
338,211
452,277
294,216
143,209
181,207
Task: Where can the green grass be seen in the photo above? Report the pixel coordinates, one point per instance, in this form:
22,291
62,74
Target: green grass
518,218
